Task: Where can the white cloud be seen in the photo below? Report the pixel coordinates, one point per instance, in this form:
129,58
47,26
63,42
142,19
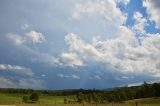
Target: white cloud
35,37
16,39
60,75
21,43
16,69
24,26
153,8
71,59
43,75
32,36
123,53
78,46
30,83
45,58
140,23
97,77
125,2
86,51
6,83
135,84
68,76
137,15
106,8
2,67
75,76
120,78
20,83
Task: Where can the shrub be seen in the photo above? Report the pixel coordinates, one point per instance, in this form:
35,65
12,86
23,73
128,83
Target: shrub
34,97
25,99
65,101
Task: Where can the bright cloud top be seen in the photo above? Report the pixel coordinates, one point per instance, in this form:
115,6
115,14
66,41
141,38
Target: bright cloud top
105,8
123,54
35,37
68,76
30,37
16,69
153,8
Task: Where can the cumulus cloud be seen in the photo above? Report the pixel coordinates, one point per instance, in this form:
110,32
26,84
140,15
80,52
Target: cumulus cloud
35,37
140,24
68,76
32,36
96,77
153,8
16,39
20,43
106,8
123,54
77,45
137,15
43,75
125,2
26,82
135,84
71,59
16,69
44,58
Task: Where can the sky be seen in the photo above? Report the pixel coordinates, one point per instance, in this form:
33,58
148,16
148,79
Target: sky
72,44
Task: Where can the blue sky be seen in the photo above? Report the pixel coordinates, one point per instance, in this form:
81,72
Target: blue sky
68,44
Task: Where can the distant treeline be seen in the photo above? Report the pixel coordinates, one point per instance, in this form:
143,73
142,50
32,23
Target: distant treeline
65,92
98,96
121,94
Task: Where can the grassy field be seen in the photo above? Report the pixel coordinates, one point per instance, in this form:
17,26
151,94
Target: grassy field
16,100
145,102
7,99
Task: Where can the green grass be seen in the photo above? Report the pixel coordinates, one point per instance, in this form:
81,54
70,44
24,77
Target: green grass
16,99
145,102
10,98
54,99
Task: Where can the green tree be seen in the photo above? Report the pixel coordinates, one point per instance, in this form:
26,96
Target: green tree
65,101
95,98
80,97
34,97
25,99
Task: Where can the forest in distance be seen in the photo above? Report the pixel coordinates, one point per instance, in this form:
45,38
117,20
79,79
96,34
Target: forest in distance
116,95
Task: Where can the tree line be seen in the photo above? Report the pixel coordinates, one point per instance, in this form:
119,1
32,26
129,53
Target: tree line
97,96
121,94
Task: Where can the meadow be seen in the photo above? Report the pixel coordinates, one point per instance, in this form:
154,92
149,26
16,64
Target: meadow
16,100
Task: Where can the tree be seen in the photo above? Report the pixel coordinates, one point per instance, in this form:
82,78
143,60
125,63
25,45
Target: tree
156,89
25,99
80,97
65,101
95,97
34,97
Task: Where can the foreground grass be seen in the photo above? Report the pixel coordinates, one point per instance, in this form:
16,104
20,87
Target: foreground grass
9,99
16,100
145,102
